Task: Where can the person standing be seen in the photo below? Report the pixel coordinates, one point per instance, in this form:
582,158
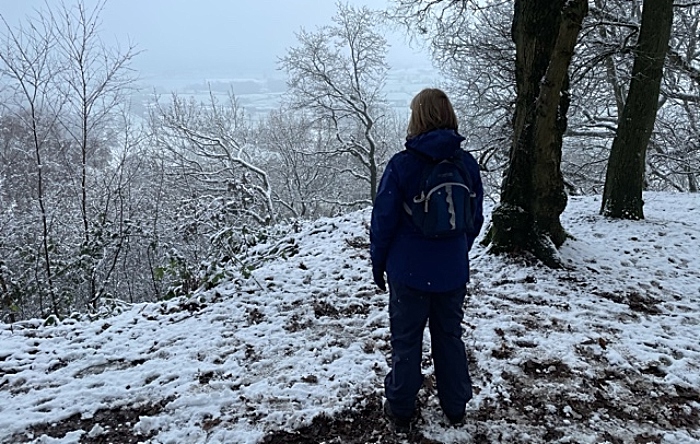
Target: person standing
427,275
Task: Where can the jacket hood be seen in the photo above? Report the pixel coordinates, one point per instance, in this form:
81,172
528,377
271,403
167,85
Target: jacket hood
438,144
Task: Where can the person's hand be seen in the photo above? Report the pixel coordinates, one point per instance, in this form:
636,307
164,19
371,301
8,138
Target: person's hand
379,278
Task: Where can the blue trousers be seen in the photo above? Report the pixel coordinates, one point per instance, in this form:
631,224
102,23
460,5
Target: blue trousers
409,310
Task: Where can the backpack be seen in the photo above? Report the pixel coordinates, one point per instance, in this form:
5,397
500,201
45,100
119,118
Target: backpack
444,205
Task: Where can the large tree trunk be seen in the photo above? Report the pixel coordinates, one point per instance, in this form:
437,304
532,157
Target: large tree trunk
532,195
624,181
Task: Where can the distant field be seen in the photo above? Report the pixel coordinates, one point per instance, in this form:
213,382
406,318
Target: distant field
261,95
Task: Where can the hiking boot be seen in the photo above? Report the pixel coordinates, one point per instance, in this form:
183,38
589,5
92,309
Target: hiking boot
400,424
456,421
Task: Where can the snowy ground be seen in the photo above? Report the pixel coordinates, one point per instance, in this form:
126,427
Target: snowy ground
607,351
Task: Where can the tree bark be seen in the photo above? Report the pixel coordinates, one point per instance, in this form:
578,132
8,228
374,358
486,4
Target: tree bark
624,180
532,194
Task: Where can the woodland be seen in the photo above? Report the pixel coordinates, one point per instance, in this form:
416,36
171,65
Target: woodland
100,207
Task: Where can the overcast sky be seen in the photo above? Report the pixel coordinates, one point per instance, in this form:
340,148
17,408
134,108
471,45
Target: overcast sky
215,37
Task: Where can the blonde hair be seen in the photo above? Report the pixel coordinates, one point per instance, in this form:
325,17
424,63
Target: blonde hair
430,110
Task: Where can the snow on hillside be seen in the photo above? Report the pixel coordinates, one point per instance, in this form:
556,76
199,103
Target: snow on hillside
605,351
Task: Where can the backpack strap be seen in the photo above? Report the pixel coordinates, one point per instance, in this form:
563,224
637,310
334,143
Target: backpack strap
426,159
407,209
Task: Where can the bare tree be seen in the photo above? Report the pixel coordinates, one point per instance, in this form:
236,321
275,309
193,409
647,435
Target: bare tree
29,70
622,196
674,154
217,196
208,144
96,81
63,87
302,175
338,73
116,228
602,76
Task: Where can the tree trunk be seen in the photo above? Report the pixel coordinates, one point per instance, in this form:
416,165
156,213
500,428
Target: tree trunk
532,195
624,180
692,182
610,67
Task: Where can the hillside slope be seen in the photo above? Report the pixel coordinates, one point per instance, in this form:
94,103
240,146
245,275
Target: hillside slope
605,351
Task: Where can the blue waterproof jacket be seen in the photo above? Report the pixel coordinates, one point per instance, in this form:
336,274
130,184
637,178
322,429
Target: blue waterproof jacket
396,245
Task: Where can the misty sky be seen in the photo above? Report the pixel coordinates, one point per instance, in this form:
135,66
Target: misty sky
215,37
